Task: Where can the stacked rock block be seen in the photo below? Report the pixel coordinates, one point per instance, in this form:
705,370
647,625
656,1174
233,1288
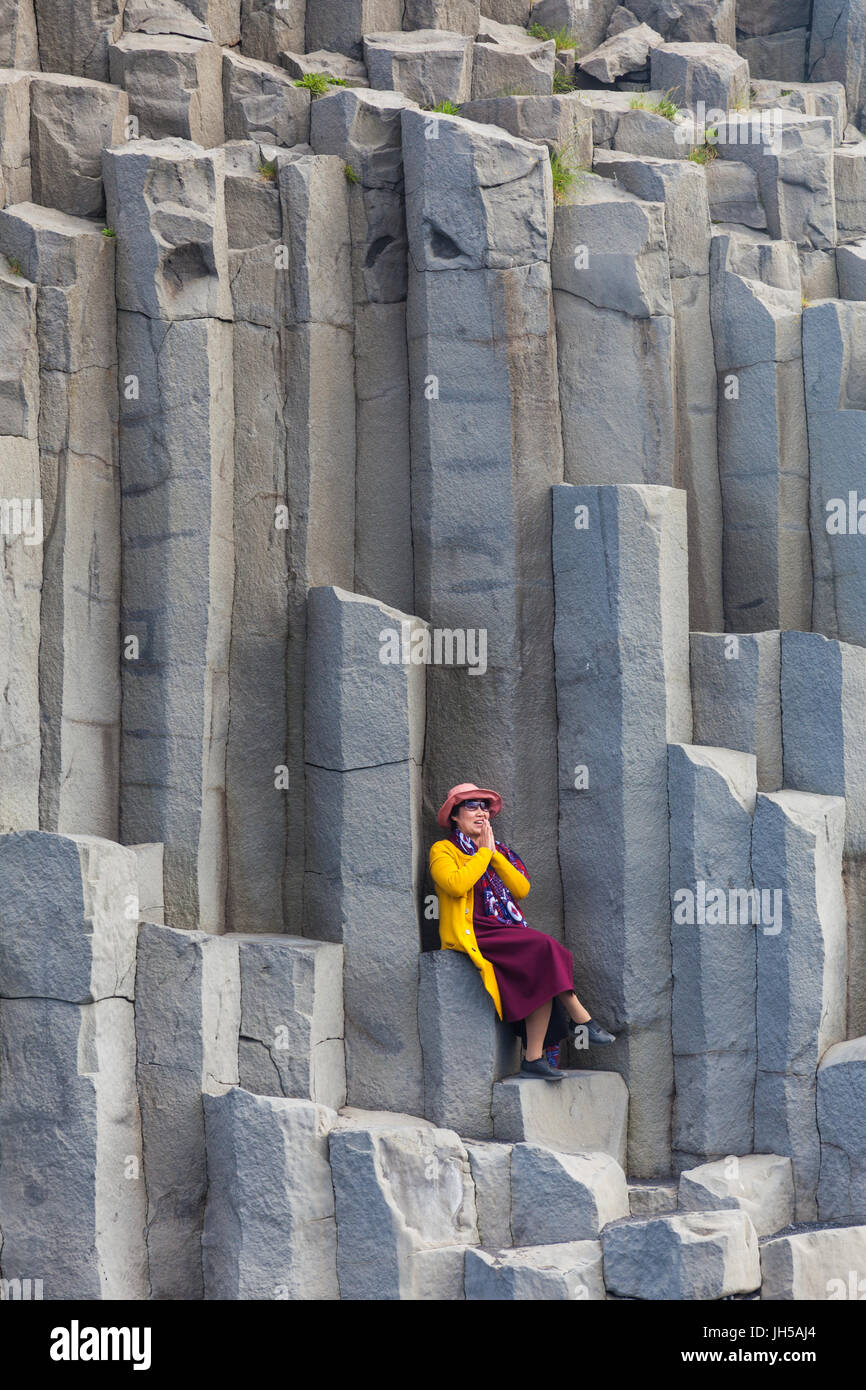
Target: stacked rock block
307,386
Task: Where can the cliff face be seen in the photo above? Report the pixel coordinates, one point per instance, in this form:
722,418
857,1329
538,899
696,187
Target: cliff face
395,393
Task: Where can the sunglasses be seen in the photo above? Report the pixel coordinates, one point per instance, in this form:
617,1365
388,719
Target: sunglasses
475,805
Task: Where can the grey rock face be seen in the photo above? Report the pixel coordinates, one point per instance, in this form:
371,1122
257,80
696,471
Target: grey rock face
830,333
712,799
802,967
216,20
166,202
761,1185
792,155
457,1021
460,16
513,66
364,732
588,1110
291,1023
625,52
15,178
813,1264
74,37
567,1272
72,265
734,194
763,445
71,121
20,746
427,66
811,98
836,49
364,129
560,121
736,698
186,1033
405,1206
621,550
343,27
614,314
849,172
261,102
290,274
706,1256
776,56
823,688
682,188
267,31
652,1198
71,1187
851,270
269,1227
350,71
712,73
841,1090
18,40
174,85
563,1197
491,1174
485,411
588,23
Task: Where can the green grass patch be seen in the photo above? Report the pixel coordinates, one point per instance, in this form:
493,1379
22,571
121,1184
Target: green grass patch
563,38
319,82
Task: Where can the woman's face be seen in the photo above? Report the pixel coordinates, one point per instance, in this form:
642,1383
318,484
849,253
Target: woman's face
471,822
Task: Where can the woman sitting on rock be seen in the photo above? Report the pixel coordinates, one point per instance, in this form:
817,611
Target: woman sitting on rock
478,882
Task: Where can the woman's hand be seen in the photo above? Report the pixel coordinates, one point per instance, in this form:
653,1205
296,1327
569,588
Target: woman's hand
487,841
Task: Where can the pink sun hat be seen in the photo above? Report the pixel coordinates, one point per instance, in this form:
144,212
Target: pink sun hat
467,791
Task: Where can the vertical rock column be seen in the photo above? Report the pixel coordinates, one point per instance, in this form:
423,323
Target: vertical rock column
79,662
682,187
763,446
622,684
294,498
364,129
74,37
615,336
485,450
319,421
187,1024
72,1193
712,801
837,50
735,698
166,204
833,361
21,546
824,741
364,741
802,963
256,801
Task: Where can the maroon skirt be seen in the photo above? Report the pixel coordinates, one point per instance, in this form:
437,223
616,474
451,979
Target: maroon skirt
530,967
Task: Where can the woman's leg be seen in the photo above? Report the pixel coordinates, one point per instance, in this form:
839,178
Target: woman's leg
536,1027
573,1007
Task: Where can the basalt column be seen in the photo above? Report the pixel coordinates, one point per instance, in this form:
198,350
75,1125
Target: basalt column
166,204
486,447
72,264
622,684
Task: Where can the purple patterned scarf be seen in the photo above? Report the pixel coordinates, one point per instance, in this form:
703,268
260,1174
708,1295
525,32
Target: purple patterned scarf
498,902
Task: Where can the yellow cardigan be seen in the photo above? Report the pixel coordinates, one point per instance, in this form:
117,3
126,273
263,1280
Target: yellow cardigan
455,875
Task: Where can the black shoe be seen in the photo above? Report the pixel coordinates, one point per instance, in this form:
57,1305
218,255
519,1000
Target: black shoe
541,1069
596,1035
